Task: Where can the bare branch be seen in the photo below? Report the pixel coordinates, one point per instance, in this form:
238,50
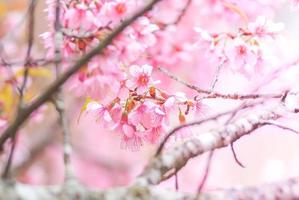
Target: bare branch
31,23
213,95
206,173
235,156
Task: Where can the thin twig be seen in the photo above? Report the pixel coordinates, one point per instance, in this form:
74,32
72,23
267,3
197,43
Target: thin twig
281,127
216,76
235,155
206,172
31,22
29,48
176,181
179,18
213,95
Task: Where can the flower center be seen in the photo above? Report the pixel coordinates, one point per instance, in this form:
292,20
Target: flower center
143,79
242,50
120,8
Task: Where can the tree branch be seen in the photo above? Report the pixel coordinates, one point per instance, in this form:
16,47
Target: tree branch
287,189
176,158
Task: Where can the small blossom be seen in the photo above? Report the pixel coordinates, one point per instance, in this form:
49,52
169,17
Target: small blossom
140,77
264,27
79,18
148,115
100,112
241,55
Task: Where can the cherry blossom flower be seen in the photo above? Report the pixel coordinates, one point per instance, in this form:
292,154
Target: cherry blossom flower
79,18
131,139
100,113
140,77
143,31
114,11
264,27
148,115
242,56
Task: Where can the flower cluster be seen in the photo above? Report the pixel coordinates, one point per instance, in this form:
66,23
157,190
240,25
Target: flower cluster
119,84
241,50
143,114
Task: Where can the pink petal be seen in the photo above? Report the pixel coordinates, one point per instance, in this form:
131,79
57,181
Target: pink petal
147,69
135,70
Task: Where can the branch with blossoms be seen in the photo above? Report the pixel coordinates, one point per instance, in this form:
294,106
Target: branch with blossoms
118,56
47,94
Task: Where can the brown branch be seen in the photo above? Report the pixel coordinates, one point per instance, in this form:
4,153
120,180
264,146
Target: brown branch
31,27
281,127
31,22
235,156
49,91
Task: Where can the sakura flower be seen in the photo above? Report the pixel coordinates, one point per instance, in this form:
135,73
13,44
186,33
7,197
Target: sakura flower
131,139
205,40
153,135
148,119
114,11
148,115
101,113
79,18
144,30
169,104
241,55
140,77
264,27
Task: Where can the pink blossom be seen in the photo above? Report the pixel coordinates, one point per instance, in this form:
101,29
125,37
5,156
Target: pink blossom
100,113
114,11
242,56
79,18
143,31
264,27
131,139
147,115
140,77
154,134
